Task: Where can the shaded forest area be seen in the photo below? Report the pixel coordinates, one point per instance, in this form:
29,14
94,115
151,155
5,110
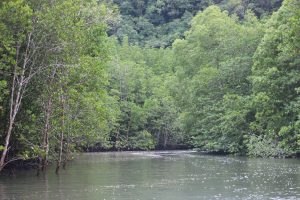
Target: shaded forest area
89,75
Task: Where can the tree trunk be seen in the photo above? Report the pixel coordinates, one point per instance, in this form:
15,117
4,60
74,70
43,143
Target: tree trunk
165,139
14,106
19,82
61,137
128,129
117,139
60,151
44,161
5,150
48,112
67,153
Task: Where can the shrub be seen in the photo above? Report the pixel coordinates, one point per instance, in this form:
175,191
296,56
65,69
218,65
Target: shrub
262,146
143,141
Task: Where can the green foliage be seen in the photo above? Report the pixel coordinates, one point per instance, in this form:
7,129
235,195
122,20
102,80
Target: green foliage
259,7
232,83
68,41
141,80
263,146
15,23
276,78
143,141
213,76
157,23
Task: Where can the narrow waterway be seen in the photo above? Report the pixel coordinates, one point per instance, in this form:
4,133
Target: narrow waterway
172,175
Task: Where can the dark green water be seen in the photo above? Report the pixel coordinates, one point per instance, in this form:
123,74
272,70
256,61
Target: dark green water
173,175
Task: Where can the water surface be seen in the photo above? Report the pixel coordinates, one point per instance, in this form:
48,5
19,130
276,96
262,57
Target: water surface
172,175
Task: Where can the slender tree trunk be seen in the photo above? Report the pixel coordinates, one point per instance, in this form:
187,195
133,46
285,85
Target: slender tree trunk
60,152
48,112
67,153
165,139
5,150
11,114
117,139
59,160
44,161
158,138
14,106
128,129
19,82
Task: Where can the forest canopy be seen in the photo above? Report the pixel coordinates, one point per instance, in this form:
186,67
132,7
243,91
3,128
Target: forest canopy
157,23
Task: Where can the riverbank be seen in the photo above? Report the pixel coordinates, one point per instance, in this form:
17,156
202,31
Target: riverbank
33,163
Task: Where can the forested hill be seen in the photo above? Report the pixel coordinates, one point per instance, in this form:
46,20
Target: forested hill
157,23
77,76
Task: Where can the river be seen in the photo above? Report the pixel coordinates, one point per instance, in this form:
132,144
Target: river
171,175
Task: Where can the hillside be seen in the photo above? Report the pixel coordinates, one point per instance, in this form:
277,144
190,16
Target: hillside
157,23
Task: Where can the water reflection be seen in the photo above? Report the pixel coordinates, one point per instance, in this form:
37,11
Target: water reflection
174,175
3,189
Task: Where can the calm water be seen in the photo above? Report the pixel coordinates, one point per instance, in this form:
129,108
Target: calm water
173,175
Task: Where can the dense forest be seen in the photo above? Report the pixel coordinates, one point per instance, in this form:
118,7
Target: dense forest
87,75
157,23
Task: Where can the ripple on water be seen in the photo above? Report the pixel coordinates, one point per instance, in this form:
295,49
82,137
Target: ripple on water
170,175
